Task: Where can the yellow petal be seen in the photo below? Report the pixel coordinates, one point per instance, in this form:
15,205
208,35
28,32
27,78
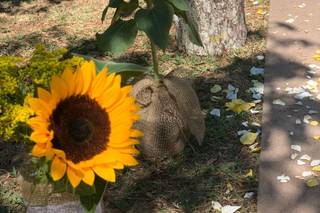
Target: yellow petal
39,107
124,144
59,153
59,88
74,177
136,133
112,94
37,123
68,77
88,177
58,169
41,137
44,95
106,173
38,150
88,70
78,79
99,84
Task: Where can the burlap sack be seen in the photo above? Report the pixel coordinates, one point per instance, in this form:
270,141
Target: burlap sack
170,116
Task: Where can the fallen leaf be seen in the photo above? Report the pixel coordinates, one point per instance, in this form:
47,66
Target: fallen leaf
260,11
305,157
307,174
216,88
314,123
316,168
248,138
238,106
283,178
278,102
317,55
312,182
215,112
249,174
315,163
248,195
230,209
296,148
256,71
232,92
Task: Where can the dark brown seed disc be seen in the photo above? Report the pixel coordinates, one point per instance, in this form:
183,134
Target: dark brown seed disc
81,128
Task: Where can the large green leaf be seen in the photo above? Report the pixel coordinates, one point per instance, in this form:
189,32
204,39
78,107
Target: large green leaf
194,35
180,4
123,8
118,37
90,202
126,70
156,22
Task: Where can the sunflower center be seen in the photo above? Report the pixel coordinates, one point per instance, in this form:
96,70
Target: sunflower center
81,128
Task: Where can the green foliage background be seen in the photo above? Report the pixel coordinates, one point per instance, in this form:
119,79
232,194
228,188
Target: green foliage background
18,79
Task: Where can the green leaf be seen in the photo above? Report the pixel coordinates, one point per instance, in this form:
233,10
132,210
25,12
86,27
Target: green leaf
123,8
118,37
156,22
90,202
180,4
192,29
126,70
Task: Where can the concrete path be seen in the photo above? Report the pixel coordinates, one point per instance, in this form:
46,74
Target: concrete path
294,37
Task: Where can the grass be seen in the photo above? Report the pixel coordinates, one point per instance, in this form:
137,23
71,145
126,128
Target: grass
216,171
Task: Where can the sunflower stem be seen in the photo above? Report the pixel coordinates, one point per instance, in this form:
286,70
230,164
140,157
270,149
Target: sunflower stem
155,62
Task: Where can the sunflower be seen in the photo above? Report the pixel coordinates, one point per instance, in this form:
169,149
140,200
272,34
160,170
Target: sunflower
84,125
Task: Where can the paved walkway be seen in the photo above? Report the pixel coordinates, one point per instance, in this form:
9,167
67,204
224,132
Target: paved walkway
294,37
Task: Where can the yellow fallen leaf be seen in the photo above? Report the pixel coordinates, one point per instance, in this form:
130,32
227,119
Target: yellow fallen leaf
317,138
249,174
312,182
239,105
316,168
248,138
317,55
314,123
260,11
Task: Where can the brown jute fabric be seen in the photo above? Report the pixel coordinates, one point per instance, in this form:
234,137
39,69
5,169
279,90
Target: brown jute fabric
170,116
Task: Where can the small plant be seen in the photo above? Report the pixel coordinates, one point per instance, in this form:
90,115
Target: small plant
153,17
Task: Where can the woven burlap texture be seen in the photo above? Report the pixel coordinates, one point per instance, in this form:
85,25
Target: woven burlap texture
170,116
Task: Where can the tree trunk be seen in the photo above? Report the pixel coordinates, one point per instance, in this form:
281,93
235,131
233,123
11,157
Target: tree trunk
221,24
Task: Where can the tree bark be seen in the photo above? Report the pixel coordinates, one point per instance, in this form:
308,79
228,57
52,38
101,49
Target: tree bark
221,25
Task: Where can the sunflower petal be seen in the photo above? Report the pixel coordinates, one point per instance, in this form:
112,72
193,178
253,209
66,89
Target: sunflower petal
37,123
136,133
88,70
59,153
44,95
68,77
99,83
106,173
130,142
41,137
128,160
39,107
78,80
88,177
74,177
38,150
58,169
59,88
